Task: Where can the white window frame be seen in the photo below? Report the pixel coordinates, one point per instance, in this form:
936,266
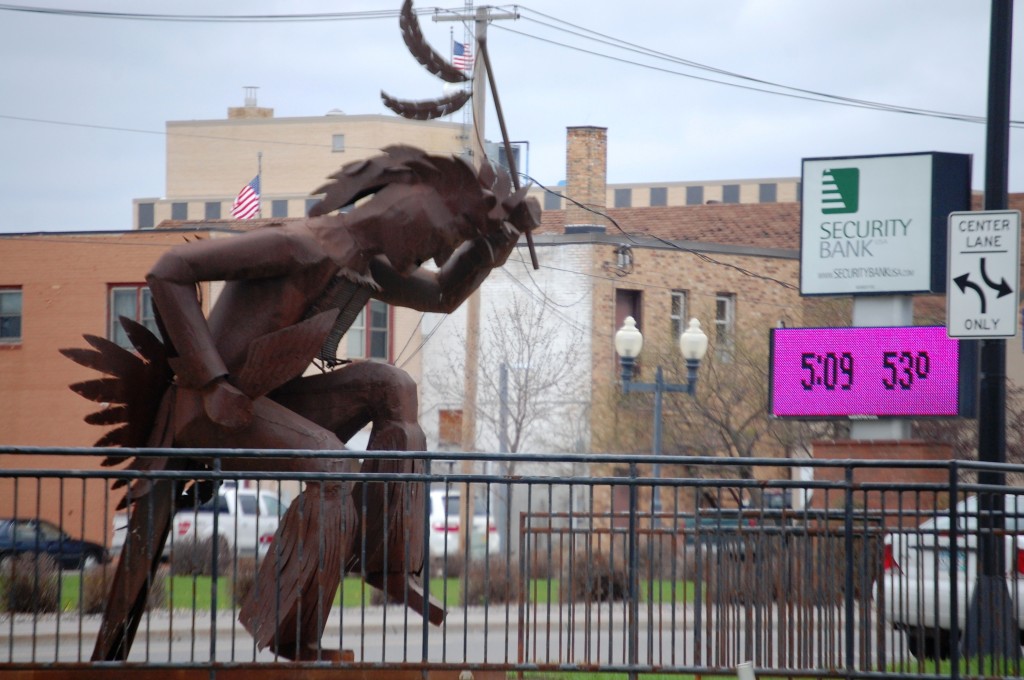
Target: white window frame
144,312
677,313
725,326
8,312
360,337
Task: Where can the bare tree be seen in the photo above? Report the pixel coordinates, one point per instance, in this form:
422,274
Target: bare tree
531,392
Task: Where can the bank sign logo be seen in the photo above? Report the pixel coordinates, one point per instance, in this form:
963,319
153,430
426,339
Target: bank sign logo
840,191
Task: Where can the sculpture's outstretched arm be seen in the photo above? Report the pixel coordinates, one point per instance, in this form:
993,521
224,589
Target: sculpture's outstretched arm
260,254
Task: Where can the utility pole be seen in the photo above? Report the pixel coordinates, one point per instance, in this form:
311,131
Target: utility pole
991,629
481,16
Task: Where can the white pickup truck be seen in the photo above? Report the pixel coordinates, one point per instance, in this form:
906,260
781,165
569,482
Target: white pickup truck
247,520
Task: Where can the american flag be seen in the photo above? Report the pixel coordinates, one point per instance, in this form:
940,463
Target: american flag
247,203
462,56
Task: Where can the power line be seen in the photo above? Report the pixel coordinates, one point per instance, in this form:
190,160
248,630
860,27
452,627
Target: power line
640,49
576,30
113,128
821,98
210,18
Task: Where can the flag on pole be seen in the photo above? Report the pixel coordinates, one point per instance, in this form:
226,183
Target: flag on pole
462,56
247,203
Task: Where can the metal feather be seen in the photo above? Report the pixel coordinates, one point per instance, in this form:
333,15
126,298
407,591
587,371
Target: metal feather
102,390
421,50
147,344
426,109
108,416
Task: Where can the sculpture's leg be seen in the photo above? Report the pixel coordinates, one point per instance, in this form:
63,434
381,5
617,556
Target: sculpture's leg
295,588
148,527
389,534
288,606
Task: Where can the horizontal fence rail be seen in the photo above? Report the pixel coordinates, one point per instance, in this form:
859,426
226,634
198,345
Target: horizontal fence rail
538,564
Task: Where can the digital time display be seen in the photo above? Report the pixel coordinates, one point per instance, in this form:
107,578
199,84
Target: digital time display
883,372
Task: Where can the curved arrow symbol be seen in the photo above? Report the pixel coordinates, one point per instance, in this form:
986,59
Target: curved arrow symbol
963,283
1003,287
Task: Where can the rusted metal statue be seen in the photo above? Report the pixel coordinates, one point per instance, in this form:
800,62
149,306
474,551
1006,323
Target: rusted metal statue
235,380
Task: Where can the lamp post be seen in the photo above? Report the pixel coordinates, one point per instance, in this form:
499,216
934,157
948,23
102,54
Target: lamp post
693,344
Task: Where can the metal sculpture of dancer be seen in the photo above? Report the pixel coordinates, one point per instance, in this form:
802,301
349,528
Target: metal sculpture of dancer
235,380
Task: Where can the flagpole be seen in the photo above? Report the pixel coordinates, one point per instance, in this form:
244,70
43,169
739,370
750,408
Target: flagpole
259,177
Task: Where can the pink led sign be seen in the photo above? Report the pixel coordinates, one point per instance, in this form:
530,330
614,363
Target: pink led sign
866,372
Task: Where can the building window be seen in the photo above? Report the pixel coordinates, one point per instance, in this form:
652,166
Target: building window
179,211
337,143
449,428
212,210
678,313
147,215
725,326
694,195
767,193
10,315
134,302
279,207
371,340
623,198
730,193
310,202
552,201
659,196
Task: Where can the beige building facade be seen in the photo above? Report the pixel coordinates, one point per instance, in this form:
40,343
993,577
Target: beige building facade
209,161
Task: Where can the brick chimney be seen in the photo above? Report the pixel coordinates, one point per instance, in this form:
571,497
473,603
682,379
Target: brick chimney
586,171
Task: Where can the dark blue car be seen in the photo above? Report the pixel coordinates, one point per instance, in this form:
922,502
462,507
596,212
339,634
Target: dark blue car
33,536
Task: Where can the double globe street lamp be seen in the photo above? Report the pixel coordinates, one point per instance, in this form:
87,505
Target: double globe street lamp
693,343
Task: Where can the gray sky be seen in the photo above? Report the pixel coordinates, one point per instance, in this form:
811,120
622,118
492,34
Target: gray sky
84,101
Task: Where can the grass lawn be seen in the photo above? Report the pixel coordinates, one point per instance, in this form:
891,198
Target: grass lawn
188,592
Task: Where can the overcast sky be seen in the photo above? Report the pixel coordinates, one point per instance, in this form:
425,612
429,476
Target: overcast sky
84,101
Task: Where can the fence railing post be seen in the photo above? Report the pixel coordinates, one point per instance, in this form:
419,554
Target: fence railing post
849,583
634,575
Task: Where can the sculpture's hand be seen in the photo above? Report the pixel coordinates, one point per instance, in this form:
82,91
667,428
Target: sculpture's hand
226,405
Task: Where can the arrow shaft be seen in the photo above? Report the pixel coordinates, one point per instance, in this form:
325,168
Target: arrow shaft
977,289
509,156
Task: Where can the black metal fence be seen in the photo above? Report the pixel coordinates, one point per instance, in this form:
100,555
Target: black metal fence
542,563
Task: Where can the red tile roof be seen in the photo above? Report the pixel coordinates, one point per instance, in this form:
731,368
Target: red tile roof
761,225
758,225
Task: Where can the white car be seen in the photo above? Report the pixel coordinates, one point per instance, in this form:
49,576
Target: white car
248,520
917,579
444,526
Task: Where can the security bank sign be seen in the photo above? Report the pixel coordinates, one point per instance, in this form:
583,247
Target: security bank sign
877,224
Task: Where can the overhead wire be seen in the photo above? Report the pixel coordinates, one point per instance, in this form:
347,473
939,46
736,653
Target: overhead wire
617,43
575,29
819,98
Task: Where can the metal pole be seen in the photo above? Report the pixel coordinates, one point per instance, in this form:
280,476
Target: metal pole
659,386
991,629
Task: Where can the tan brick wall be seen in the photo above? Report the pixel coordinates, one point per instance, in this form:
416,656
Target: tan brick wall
657,272
215,158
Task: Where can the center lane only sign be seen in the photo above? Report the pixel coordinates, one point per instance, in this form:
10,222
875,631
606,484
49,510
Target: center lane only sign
984,269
